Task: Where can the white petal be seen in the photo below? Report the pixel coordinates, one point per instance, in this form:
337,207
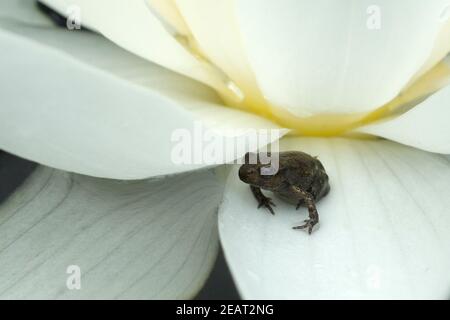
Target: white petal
76,102
426,126
132,25
131,240
383,234
320,56
441,46
214,25
168,11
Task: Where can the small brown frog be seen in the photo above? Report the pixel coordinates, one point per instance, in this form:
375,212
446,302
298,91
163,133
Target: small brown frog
301,179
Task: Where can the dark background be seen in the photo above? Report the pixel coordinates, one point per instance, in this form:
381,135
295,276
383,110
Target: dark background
220,284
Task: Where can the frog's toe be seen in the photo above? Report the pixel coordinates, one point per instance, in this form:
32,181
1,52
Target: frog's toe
267,203
309,224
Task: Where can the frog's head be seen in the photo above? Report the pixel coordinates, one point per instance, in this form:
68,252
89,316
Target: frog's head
264,175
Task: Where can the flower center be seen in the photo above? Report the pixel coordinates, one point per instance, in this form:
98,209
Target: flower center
248,97
333,124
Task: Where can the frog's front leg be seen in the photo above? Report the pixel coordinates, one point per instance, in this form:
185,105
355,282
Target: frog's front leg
262,199
308,199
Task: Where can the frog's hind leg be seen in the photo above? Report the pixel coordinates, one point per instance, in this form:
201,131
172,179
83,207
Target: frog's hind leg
319,188
307,199
262,199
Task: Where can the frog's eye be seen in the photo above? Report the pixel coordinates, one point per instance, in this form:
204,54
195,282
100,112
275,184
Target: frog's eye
252,170
249,170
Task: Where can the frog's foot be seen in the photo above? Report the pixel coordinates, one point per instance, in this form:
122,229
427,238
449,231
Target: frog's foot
309,224
263,201
307,199
266,202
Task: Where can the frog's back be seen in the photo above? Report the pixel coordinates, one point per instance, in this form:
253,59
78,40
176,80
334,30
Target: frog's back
299,162
304,171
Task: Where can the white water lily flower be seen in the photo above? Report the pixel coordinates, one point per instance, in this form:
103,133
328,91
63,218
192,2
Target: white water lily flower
104,105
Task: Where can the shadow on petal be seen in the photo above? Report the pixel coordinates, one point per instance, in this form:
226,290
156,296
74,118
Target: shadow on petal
146,239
